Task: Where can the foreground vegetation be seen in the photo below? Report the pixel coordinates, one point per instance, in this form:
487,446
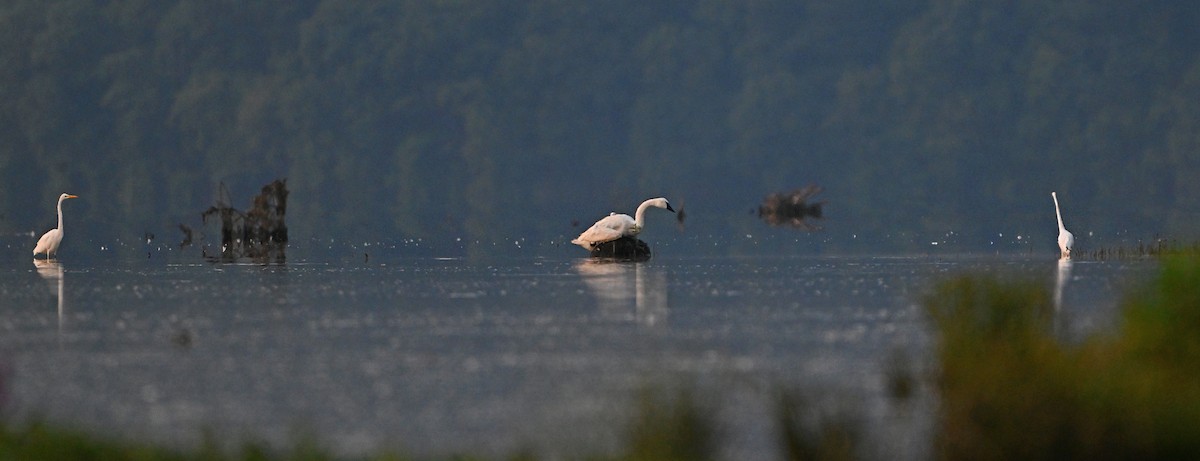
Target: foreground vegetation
1010,390
1008,387
40,441
668,426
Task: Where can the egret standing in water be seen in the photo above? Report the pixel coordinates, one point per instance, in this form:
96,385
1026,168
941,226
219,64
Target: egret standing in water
1066,241
49,242
615,226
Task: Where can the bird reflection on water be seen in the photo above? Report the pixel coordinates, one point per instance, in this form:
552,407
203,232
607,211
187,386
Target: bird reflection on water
52,272
1060,282
622,287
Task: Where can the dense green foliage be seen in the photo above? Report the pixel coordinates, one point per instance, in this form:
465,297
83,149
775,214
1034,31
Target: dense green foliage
495,120
1010,390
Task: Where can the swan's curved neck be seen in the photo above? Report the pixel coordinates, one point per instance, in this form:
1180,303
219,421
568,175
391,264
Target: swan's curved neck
1058,214
639,216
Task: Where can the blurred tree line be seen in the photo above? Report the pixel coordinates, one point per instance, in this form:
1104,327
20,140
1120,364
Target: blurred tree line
494,120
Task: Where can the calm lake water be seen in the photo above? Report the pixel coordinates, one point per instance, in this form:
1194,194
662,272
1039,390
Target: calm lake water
441,356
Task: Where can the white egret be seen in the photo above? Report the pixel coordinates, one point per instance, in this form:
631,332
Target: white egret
615,226
49,242
1066,240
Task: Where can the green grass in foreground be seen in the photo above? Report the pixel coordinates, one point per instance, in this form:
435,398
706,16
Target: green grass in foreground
1008,388
39,441
668,426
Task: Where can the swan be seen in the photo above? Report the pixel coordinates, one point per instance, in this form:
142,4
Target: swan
615,226
49,242
1066,240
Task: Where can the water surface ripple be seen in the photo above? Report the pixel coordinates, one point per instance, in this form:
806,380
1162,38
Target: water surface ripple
439,356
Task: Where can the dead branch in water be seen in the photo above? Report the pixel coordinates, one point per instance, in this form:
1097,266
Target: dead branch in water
793,208
258,233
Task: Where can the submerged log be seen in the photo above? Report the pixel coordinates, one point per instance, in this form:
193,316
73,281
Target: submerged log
624,248
792,208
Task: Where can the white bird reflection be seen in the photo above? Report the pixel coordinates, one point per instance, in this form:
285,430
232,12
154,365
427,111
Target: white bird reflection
1060,282
622,287
52,272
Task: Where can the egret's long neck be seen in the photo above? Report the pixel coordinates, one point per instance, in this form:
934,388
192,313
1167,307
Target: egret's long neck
60,215
1058,214
639,216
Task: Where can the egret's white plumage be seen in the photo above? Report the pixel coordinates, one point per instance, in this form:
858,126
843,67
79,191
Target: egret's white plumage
1066,240
615,226
49,242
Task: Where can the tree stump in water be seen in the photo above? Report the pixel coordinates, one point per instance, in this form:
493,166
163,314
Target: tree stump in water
624,248
792,209
258,233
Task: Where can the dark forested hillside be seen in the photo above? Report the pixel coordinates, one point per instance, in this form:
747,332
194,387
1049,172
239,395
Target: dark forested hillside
495,120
